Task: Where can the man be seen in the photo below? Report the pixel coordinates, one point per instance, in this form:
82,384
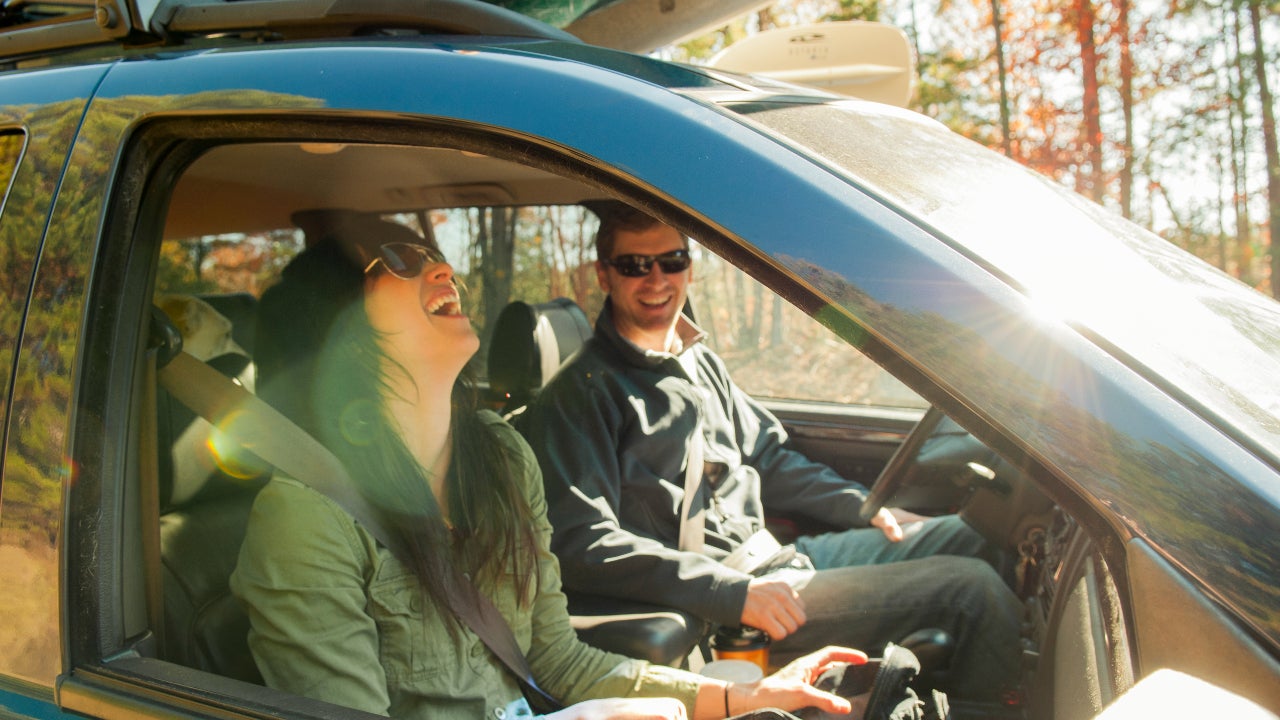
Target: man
614,430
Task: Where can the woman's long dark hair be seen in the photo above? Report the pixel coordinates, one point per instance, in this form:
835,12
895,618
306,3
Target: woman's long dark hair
320,363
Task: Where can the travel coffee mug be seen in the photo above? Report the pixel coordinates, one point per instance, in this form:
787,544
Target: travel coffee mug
742,643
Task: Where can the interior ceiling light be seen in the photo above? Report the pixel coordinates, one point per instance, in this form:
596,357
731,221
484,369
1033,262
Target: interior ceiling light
321,148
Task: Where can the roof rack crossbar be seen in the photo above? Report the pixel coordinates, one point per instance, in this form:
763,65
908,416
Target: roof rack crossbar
118,21
106,22
468,17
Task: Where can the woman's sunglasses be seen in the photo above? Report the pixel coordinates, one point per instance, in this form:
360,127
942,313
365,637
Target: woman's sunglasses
405,260
640,265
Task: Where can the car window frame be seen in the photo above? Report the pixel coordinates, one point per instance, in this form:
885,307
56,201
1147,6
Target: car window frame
46,107
110,665
113,662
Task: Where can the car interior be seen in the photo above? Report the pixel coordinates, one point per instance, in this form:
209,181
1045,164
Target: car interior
206,482
236,213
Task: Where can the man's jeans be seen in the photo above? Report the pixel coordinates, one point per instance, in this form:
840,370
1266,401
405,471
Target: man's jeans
868,591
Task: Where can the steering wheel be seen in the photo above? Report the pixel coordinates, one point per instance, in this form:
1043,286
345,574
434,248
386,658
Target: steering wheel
894,473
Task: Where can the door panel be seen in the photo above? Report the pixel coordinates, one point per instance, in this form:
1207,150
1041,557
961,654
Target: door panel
37,344
856,441
1176,628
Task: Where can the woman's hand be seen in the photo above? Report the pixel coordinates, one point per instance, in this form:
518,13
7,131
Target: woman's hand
623,709
791,688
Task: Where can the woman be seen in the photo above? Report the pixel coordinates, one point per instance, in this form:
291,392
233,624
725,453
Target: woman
364,344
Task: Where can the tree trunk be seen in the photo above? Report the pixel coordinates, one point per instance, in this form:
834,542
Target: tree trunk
1238,124
737,306
751,331
776,337
915,44
1002,73
1090,180
555,252
497,236
1220,165
1126,105
197,259
584,267
765,19
1268,141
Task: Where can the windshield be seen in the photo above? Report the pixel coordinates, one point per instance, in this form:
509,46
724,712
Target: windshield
1185,325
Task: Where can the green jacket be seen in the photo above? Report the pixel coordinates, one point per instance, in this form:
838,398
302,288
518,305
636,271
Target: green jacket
337,618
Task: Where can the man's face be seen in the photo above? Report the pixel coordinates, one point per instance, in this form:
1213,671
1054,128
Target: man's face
645,309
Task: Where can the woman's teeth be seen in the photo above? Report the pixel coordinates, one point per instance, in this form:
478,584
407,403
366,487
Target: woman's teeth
444,306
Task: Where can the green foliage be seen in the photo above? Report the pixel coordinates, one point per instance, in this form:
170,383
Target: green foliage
941,93
702,48
226,263
10,148
868,10
34,466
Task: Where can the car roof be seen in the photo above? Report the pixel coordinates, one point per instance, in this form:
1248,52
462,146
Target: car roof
38,31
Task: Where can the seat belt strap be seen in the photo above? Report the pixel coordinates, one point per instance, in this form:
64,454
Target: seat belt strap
267,433
692,515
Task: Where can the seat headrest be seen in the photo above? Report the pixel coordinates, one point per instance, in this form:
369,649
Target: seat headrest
206,333
200,459
531,342
241,308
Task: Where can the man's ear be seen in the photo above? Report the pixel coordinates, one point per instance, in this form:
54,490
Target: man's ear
602,276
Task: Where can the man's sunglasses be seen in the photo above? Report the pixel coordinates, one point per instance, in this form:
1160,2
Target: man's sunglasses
405,260
640,265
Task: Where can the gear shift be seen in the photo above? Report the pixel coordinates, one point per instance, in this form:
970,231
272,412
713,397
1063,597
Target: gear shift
932,647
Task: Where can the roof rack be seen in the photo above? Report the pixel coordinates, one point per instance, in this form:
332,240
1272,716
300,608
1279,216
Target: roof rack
121,21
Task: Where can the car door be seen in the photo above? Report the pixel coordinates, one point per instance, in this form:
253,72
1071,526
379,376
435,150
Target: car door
151,119
40,279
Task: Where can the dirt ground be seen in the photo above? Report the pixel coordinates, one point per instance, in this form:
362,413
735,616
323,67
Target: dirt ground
29,592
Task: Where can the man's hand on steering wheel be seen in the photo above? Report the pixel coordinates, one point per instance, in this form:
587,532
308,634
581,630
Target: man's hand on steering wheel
891,520
895,470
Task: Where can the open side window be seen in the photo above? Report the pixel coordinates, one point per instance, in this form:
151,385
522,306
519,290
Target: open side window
207,216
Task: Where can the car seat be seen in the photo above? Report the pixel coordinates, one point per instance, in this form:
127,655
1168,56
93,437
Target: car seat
530,344
206,488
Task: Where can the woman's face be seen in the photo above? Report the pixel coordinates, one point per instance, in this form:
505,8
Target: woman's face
421,319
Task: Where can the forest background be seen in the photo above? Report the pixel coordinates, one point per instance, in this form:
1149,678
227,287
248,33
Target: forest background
1161,111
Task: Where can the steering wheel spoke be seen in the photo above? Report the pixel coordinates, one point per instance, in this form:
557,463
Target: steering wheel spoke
895,471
